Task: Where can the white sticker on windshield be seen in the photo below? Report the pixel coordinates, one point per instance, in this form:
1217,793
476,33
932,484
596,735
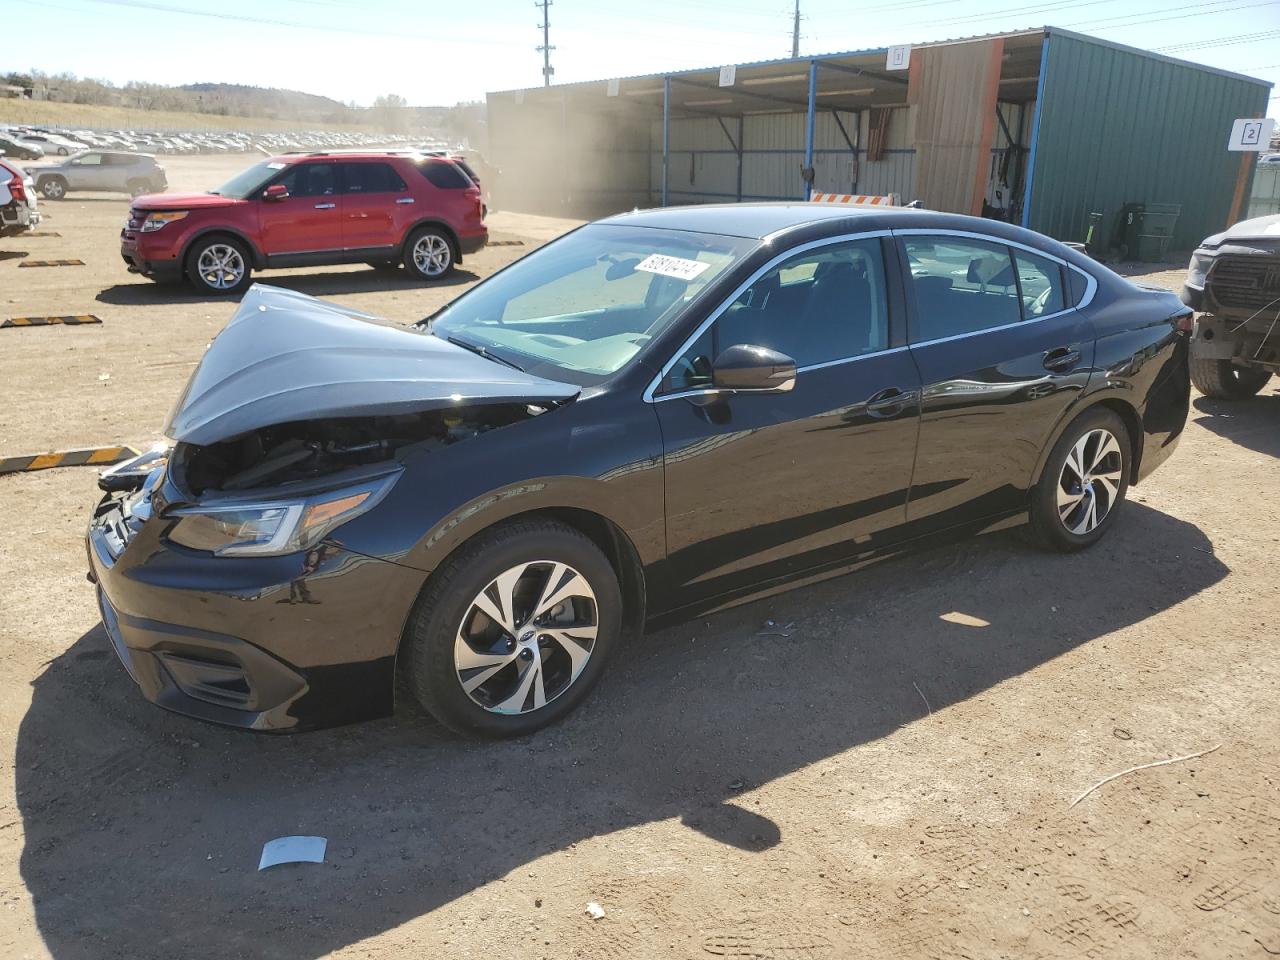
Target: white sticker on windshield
671,266
276,166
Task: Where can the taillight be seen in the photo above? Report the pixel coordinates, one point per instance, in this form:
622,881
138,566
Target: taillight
17,189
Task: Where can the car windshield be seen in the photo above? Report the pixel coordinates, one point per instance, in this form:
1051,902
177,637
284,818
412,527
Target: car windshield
247,181
579,308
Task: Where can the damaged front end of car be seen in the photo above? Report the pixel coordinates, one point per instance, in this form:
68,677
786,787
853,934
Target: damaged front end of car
1233,282
245,574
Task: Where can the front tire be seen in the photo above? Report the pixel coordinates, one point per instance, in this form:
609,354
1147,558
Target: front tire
429,254
1084,482
514,630
1225,380
219,266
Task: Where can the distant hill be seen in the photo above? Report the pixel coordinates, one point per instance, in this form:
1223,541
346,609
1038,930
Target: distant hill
237,98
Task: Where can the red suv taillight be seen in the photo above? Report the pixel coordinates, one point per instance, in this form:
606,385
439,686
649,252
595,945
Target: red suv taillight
16,188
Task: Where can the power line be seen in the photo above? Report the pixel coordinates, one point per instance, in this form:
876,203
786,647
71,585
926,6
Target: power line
1177,16
1228,41
546,48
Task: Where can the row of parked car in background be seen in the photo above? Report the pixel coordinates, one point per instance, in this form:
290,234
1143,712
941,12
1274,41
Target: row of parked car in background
36,143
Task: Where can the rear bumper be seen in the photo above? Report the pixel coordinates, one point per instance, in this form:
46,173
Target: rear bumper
18,216
473,242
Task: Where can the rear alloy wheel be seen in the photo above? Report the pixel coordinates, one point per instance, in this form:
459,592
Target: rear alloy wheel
53,188
219,266
428,254
514,631
1224,380
138,187
1083,484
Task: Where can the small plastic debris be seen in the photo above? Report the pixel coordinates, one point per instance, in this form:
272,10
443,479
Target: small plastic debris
292,850
737,784
1120,733
104,376
595,911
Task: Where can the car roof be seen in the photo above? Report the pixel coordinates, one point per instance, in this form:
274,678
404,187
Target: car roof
759,220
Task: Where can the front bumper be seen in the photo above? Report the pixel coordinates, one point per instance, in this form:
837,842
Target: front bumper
160,262
263,643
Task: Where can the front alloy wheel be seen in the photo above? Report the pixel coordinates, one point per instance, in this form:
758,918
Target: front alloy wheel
526,637
220,267
513,630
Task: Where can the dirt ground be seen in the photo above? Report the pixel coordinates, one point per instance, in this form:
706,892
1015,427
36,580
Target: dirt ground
845,770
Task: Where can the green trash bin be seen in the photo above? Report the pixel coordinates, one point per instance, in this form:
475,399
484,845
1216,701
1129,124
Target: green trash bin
1156,224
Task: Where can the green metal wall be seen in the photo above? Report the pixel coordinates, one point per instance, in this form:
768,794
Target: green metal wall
1118,126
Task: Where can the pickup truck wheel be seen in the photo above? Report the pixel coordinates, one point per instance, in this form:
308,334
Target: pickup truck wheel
1224,380
219,266
1083,484
428,253
53,188
513,630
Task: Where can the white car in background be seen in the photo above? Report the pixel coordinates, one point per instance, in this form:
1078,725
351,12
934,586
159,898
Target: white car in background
18,212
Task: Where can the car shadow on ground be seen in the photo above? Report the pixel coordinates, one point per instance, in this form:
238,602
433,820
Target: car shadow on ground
13,254
143,829
146,293
1252,423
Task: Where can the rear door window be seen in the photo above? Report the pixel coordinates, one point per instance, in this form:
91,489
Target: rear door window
1040,282
89,160
371,178
961,286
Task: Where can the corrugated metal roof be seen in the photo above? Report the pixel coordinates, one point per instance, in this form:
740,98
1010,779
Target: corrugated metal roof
880,52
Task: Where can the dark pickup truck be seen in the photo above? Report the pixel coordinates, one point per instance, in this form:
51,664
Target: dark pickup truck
1233,283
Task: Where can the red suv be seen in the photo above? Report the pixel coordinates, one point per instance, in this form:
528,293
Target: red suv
380,208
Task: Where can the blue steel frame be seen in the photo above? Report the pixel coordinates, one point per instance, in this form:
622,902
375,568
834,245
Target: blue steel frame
1035,135
808,126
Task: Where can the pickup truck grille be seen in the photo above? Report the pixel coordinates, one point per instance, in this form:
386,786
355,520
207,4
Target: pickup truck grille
1246,283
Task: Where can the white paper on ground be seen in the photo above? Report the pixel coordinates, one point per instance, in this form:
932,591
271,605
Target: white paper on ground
292,850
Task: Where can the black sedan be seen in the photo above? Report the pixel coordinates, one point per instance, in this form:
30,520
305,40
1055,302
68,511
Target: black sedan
654,416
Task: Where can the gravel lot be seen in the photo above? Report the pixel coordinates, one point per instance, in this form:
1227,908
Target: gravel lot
867,775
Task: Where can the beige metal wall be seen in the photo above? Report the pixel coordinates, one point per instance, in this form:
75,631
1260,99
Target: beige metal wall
954,88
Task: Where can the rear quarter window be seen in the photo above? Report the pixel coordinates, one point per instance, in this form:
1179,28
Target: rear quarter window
1077,286
445,175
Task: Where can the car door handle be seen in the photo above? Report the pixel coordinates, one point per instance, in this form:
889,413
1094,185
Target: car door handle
325,206
1061,360
889,401
405,200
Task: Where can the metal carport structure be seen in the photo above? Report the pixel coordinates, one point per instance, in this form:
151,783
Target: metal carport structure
992,125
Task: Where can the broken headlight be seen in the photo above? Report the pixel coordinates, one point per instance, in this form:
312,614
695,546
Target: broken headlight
1198,269
239,528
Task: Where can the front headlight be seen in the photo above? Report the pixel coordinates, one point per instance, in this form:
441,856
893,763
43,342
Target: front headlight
155,221
1198,269
275,527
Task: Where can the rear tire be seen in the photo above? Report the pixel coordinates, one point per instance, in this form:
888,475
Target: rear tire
53,188
450,640
1224,380
429,254
219,266
1084,482
137,188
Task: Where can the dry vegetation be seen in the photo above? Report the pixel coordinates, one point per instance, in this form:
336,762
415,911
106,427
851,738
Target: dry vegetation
46,112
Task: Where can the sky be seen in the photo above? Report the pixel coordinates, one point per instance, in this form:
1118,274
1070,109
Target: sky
446,52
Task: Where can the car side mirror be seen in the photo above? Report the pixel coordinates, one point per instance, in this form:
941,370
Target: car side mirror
277,191
744,367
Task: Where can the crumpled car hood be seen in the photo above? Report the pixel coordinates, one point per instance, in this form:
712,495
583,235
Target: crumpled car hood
286,357
1259,228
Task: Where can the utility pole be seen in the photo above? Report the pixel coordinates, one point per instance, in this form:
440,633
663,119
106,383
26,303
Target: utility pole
546,48
795,33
